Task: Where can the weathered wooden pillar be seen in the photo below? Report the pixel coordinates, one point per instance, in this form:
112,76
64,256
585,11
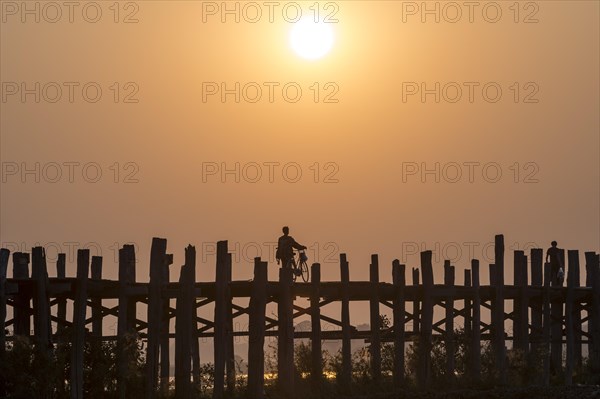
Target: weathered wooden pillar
498,309
256,331
573,257
521,304
285,342
416,302
315,319
536,306
518,301
183,326
220,319
61,302
476,327
126,317
196,376
230,354
79,311
375,347
492,272
546,324
4,255
346,377
425,336
577,325
158,254
22,312
468,317
593,267
399,311
192,312
41,303
61,315
97,301
164,331
589,257
556,311
525,297
96,305
61,271
449,279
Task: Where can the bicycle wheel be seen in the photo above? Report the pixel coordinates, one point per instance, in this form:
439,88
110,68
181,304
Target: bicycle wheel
305,272
294,268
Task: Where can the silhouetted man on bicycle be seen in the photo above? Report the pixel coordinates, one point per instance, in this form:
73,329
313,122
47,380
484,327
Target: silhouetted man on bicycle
285,248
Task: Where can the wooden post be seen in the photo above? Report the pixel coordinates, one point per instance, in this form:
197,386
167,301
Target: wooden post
315,318
536,308
589,273
517,302
399,281
220,319
424,367
521,304
191,312
375,347
256,333
96,305
164,331
61,311
498,309
183,326
556,312
573,257
476,328
230,354
593,267
195,349
4,255
126,316
449,279
79,311
346,376
525,299
97,301
285,342
577,350
416,302
546,323
158,254
22,298
468,304
196,377
131,279
41,304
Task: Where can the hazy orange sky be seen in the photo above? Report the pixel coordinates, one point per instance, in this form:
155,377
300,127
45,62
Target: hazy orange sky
161,141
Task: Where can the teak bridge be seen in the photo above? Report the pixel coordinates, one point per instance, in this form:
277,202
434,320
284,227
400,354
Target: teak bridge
546,314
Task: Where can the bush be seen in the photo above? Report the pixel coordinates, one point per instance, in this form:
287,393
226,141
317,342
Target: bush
26,371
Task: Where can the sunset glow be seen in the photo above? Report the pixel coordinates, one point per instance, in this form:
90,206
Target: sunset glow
311,40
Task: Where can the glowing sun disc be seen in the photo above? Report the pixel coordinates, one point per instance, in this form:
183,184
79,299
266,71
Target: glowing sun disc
311,40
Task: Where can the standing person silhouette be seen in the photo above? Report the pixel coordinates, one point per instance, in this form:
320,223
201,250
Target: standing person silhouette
285,248
553,257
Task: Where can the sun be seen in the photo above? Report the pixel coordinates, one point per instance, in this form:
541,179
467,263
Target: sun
311,40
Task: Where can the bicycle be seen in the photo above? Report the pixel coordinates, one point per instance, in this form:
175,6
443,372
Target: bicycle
299,266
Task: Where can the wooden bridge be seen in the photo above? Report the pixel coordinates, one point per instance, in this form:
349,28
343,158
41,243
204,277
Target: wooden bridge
545,314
